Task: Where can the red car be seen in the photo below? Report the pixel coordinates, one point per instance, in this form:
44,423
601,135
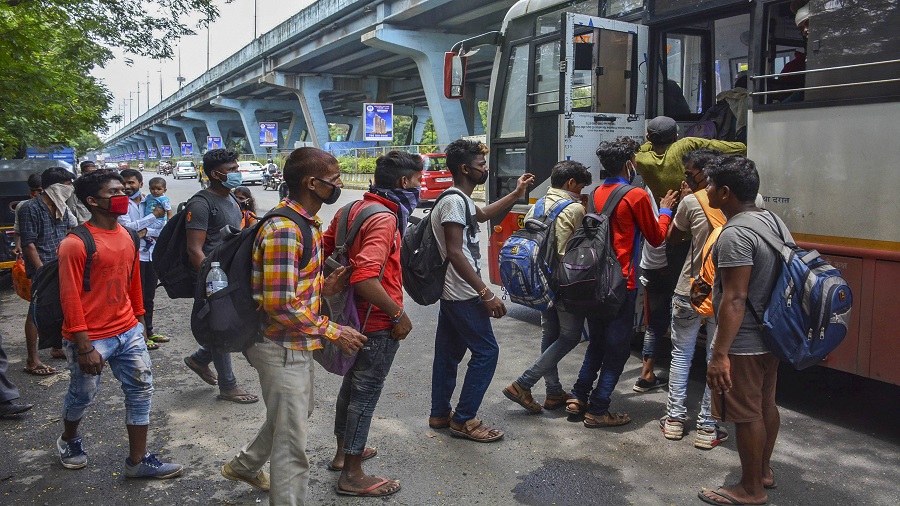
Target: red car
435,176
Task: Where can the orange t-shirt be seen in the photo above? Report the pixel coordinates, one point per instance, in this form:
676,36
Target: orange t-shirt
115,300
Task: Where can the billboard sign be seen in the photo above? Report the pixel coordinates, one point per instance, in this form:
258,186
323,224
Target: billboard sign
142,154
165,151
268,135
213,142
187,149
153,153
379,122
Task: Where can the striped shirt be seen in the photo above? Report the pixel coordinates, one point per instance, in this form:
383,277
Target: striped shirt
289,295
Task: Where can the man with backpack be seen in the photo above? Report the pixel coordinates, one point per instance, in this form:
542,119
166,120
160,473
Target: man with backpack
695,217
374,257
205,220
658,161
560,329
289,292
467,304
104,325
742,371
632,217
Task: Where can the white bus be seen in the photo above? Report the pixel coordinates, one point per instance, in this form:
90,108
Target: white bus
821,125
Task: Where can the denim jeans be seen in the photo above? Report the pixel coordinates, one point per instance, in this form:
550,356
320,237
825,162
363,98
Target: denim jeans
149,280
361,389
658,299
286,380
127,357
686,324
561,333
462,325
222,362
607,353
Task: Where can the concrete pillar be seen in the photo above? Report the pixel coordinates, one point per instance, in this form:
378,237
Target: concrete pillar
421,117
248,117
307,89
427,51
213,120
189,135
171,137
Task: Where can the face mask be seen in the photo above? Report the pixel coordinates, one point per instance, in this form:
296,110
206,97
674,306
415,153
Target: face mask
35,193
118,204
59,193
407,199
692,182
335,193
232,180
244,202
484,176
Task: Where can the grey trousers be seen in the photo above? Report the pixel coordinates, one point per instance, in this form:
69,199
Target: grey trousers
8,391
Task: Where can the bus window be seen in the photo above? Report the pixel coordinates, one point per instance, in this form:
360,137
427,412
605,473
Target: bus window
550,22
545,97
508,165
614,77
684,89
512,114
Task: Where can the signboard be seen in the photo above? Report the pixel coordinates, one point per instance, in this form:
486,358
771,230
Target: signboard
268,135
165,151
213,143
142,154
153,153
379,122
187,149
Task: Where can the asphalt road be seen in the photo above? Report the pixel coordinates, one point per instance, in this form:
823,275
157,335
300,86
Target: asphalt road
839,443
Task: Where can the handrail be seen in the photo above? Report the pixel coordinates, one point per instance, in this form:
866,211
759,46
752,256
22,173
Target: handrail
824,87
826,69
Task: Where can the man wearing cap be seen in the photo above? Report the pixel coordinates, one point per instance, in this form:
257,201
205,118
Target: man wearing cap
659,162
798,63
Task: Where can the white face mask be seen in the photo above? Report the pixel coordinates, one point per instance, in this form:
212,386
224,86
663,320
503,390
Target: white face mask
59,193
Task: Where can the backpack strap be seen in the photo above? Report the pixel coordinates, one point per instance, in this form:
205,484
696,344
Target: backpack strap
557,208
90,248
612,201
305,230
470,219
345,238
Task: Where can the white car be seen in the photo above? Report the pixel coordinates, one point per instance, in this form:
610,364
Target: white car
251,172
185,169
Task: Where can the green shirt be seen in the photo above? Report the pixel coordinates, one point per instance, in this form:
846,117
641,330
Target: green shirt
665,172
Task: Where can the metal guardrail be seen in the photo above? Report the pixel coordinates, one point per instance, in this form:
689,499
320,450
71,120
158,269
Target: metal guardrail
764,78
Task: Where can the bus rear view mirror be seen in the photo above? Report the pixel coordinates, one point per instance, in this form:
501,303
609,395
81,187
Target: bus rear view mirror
454,75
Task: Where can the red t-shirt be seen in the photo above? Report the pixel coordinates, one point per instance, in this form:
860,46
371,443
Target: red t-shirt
115,300
633,216
376,245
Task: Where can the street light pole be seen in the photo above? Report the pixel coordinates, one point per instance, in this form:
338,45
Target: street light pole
139,99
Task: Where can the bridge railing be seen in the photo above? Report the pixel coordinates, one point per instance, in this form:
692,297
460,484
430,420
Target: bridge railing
352,160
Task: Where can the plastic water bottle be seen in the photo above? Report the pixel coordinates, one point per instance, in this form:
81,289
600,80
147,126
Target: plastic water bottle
215,280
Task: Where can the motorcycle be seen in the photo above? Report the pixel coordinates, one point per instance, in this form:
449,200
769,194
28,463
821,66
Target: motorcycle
273,181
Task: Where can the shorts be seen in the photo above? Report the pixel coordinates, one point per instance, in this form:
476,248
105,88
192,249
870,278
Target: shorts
753,379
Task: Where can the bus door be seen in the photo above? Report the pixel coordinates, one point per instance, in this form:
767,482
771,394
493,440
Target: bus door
603,72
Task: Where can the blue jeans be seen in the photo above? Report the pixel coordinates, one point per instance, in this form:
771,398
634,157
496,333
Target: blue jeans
128,359
561,333
462,325
607,353
222,362
686,324
658,307
361,389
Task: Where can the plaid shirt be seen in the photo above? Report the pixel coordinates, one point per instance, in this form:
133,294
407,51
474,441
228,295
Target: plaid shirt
38,226
289,295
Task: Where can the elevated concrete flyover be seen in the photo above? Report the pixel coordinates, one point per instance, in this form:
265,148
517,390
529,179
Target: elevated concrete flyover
320,66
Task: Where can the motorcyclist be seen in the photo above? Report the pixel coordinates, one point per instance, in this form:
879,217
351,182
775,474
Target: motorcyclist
271,169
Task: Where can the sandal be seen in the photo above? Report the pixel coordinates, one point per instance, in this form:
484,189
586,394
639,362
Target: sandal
474,430
370,492
240,397
553,402
575,406
522,397
204,372
41,370
151,345
607,419
440,422
159,338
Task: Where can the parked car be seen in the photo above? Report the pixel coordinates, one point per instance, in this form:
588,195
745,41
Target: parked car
186,169
251,171
435,176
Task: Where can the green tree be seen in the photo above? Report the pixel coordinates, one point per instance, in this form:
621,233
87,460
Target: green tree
88,141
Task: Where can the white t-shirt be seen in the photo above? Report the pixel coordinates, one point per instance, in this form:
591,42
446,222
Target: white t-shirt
452,209
653,258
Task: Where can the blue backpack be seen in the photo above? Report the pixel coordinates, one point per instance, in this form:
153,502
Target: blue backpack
809,310
527,256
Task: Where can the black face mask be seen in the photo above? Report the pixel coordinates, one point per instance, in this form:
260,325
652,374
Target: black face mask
484,175
692,183
335,193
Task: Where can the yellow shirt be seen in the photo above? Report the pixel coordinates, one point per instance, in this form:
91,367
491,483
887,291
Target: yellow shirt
570,217
665,172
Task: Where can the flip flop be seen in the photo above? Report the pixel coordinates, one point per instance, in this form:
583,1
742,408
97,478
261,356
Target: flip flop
206,375
159,338
368,453
151,345
368,492
731,500
41,370
237,398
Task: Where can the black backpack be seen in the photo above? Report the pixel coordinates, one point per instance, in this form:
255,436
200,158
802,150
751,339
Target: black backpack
718,122
423,267
46,308
170,256
229,320
589,275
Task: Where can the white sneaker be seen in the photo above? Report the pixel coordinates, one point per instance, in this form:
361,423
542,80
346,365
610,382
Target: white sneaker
707,439
672,429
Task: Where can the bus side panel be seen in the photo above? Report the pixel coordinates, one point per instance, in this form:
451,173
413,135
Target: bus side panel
497,236
885,331
847,356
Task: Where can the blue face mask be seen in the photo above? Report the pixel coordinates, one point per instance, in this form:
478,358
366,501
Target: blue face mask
233,180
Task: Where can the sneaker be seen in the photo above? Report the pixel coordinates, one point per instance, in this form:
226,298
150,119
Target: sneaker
643,385
707,439
672,429
260,481
71,453
151,467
